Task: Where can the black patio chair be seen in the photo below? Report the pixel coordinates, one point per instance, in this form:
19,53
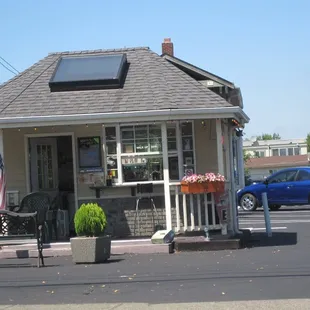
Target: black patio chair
39,202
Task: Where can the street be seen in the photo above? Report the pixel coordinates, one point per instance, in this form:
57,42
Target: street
271,276
281,220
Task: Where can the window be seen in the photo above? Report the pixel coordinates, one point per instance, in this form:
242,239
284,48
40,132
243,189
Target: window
111,153
297,151
303,175
259,154
275,152
286,176
88,72
290,151
282,152
187,147
140,151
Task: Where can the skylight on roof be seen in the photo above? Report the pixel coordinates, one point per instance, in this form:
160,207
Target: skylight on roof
88,72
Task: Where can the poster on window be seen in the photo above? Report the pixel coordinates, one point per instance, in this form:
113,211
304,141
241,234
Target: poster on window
89,152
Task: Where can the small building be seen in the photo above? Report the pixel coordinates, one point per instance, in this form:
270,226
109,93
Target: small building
94,125
267,148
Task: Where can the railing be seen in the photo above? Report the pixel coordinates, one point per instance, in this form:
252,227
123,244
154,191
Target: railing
194,211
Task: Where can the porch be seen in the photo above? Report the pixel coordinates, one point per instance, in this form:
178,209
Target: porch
123,156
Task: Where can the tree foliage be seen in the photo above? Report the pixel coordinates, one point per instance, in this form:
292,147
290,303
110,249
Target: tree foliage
268,136
308,142
246,158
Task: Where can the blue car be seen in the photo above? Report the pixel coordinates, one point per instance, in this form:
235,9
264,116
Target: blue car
289,186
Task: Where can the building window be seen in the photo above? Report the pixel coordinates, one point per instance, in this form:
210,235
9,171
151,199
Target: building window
139,155
173,151
275,152
282,152
111,153
297,151
259,154
188,147
290,151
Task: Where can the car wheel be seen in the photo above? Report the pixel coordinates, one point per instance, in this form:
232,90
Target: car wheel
274,207
248,202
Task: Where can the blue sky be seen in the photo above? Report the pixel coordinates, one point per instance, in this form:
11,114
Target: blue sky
262,46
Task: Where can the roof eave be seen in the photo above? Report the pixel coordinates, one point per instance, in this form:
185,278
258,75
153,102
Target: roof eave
116,117
200,71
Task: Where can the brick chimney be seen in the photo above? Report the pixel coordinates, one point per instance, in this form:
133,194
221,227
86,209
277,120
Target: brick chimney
167,47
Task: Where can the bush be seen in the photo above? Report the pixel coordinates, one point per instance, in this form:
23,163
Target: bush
90,220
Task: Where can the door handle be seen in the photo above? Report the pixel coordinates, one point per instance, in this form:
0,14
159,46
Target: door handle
290,186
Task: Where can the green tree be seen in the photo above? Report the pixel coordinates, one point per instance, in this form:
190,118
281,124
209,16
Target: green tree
246,158
308,142
268,136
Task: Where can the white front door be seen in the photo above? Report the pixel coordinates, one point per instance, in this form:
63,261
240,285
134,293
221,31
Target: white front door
44,165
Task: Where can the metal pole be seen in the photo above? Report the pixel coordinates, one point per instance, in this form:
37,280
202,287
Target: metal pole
266,214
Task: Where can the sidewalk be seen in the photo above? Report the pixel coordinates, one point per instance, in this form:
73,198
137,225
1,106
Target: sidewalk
233,305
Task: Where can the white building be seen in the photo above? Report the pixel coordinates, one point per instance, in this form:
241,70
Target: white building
267,148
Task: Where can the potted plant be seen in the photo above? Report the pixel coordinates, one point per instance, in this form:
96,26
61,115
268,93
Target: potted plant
90,245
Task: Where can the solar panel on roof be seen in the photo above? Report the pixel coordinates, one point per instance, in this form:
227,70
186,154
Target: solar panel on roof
88,72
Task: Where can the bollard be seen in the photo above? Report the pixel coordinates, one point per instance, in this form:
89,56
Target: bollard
266,214
207,236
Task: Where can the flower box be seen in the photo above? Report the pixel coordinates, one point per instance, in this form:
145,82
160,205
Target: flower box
194,188
207,183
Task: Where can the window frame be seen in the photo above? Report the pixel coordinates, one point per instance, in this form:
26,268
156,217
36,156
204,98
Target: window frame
276,149
280,173
179,153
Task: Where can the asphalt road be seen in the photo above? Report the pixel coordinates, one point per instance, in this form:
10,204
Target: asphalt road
272,275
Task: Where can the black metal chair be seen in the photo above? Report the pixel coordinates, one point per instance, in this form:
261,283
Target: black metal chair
39,202
144,191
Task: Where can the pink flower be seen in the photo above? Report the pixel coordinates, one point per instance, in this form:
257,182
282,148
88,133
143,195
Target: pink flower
201,178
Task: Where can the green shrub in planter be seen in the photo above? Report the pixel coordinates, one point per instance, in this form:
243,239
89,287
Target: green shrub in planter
90,220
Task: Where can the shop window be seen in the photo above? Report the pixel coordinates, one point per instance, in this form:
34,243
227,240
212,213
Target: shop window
140,152
111,153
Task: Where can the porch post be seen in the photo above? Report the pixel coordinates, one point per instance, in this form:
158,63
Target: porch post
219,146
233,202
3,188
166,175
240,161
1,144
228,177
179,148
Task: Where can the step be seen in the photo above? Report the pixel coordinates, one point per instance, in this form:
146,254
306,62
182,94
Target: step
200,243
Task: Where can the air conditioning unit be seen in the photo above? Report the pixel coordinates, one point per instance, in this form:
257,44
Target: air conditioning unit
62,224
12,198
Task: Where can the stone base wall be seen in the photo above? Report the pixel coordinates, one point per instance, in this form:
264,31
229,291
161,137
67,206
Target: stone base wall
121,214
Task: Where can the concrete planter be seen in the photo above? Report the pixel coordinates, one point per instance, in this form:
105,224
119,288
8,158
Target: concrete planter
90,249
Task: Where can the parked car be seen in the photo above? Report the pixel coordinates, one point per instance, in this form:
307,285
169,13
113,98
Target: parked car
289,186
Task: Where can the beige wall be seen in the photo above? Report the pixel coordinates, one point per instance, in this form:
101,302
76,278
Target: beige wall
14,154
206,146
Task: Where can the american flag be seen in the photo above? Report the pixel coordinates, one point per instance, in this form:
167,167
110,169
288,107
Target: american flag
2,185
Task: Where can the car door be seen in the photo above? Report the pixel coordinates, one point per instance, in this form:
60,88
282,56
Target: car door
300,189
279,185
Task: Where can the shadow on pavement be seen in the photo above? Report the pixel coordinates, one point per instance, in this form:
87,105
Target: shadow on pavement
277,239
24,265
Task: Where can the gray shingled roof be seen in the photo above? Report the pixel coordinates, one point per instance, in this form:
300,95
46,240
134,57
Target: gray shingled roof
152,83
